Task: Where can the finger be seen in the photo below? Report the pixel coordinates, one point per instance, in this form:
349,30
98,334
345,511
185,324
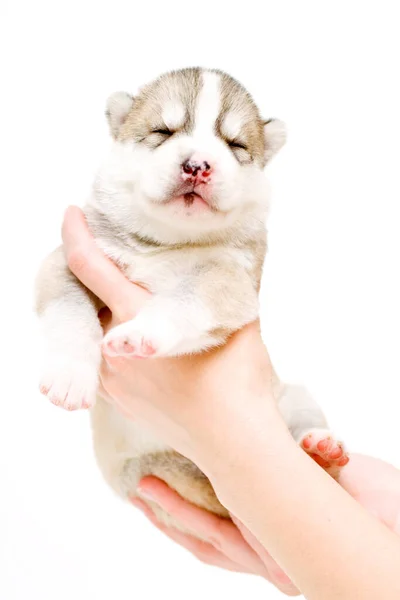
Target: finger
208,554
219,532
203,551
202,522
250,538
276,574
97,272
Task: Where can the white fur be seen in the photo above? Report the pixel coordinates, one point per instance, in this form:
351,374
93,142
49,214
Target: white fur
231,125
138,196
118,106
207,108
166,329
173,115
72,362
275,137
141,439
202,289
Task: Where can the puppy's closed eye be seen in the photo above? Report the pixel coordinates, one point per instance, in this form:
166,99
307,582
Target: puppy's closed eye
236,144
240,151
163,131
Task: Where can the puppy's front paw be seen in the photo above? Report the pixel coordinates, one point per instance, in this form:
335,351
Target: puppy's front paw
327,452
144,337
70,383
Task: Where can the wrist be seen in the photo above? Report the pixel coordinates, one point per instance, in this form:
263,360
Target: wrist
248,432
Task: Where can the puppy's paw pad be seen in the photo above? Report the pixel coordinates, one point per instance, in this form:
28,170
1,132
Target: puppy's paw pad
129,345
327,452
141,338
147,348
118,347
70,384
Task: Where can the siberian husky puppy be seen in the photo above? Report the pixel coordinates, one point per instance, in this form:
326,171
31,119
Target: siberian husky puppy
180,205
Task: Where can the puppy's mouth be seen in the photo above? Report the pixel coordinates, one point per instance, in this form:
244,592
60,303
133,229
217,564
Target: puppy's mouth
192,198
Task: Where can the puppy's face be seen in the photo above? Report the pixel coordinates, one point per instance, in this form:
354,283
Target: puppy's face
191,148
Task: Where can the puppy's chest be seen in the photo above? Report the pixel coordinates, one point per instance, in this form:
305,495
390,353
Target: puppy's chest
160,270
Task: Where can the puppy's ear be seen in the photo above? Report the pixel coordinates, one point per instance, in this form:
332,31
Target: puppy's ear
274,136
118,107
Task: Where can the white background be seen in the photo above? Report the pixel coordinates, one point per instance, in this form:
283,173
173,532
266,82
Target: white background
330,300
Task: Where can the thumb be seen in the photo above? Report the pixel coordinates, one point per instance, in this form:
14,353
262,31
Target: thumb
97,272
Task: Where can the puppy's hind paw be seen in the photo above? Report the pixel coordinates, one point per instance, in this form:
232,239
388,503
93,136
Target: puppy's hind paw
321,446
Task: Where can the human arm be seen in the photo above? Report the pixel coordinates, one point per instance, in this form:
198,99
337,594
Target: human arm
372,482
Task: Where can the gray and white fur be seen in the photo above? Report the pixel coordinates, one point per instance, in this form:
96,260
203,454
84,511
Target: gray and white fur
180,205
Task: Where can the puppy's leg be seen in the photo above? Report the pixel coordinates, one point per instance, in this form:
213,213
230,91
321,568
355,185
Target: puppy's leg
309,427
125,453
72,335
186,479
198,313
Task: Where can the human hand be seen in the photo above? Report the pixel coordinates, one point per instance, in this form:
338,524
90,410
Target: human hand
191,401
206,409
376,485
172,394
227,544
372,482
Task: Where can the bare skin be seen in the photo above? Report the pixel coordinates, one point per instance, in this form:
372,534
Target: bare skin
337,549
373,483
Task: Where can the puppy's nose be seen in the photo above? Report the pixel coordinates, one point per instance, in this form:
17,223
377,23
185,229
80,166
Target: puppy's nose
193,169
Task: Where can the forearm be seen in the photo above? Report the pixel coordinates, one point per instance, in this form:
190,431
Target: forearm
310,525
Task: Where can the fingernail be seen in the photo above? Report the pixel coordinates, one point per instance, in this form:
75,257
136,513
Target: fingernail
146,495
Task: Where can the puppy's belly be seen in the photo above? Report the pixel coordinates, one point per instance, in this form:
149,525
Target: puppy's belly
126,452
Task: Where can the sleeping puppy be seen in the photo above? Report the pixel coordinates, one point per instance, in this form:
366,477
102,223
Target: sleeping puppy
180,206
